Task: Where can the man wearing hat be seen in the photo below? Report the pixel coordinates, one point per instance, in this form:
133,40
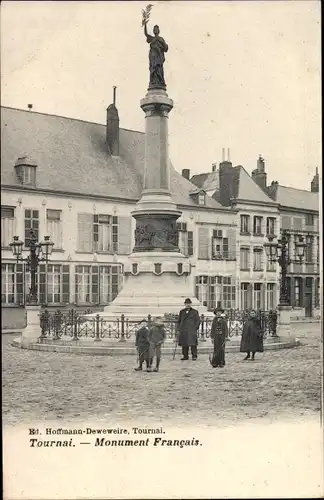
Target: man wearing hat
188,324
219,333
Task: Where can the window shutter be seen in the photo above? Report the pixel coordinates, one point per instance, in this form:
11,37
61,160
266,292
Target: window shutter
286,222
124,235
203,243
231,235
85,232
263,294
190,242
66,285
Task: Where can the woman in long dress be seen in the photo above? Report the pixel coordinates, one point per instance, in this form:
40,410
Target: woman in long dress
252,338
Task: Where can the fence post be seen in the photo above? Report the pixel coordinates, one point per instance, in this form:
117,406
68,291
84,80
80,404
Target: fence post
122,338
202,329
75,326
97,328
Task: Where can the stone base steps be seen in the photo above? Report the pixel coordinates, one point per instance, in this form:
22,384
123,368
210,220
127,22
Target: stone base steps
124,348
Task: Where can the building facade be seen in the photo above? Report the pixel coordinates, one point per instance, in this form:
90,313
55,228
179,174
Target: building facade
266,211
78,183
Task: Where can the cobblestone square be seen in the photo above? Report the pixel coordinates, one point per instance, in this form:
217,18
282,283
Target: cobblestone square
51,386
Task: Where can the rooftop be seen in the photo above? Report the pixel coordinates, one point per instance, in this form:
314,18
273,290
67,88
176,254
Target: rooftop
72,156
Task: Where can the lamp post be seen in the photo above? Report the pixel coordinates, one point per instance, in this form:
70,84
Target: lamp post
279,252
38,252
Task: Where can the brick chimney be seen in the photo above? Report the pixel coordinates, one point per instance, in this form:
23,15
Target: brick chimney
226,183
315,182
112,127
259,175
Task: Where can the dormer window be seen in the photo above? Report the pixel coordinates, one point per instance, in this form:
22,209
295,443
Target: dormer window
201,198
26,171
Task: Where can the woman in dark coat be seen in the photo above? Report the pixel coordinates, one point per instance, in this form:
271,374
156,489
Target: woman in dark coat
219,333
188,324
252,338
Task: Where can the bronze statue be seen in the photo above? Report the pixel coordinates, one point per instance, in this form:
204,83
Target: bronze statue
158,47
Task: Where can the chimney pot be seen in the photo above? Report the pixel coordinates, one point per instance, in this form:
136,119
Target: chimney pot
214,166
186,173
30,106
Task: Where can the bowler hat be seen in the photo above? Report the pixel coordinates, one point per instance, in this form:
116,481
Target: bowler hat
218,310
187,301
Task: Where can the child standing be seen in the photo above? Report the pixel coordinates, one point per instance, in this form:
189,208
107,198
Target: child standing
143,346
156,338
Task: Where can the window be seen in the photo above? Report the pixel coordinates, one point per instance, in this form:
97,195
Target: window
216,291
185,239
309,249
12,291
309,220
245,259
97,284
7,226
245,224
298,294
317,250
228,297
257,259
257,300
271,297
257,225
52,282
220,246
54,227
28,175
110,279
271,265
31,222
99,233
317,293
103,233
246,296
201,198
271,226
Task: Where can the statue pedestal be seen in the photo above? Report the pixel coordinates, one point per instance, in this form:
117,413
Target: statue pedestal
155,283
157,276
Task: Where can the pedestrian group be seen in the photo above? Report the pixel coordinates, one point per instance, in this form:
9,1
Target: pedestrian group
151,336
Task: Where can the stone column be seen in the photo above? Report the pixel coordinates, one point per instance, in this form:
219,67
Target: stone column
156,213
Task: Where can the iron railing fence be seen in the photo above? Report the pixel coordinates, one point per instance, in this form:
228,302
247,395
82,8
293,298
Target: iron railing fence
75,325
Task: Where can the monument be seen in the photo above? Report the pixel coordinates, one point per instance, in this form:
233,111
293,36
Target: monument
158,277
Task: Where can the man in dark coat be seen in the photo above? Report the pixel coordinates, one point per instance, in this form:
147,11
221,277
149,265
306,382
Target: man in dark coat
252,338
188,324
219,333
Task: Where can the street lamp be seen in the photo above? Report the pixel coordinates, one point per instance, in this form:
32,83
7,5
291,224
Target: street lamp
278,252
38,252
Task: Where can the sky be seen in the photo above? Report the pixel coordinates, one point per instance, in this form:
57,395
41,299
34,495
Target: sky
243,75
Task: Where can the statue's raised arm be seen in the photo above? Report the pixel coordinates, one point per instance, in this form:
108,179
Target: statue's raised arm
158,47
